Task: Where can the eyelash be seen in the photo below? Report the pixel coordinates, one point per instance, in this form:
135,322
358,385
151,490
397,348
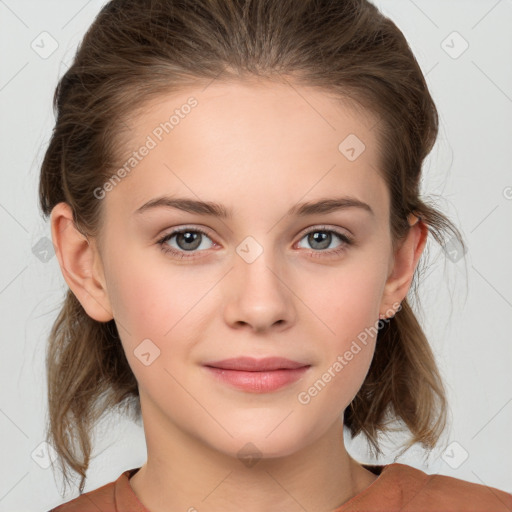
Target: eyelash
347,241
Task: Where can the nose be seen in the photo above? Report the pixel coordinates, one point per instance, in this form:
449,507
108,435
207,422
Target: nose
259,296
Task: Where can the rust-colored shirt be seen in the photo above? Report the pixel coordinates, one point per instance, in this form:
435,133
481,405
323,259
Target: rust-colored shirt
399,487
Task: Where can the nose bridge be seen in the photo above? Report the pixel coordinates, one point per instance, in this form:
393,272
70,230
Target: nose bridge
259,295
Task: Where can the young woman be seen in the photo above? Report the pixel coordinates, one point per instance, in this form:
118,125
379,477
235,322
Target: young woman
233,188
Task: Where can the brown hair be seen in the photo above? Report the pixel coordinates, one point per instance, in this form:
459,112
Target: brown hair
139,49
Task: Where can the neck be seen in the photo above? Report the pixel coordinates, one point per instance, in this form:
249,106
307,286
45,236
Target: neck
182,473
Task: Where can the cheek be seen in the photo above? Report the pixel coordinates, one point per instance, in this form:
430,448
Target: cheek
349,309
344,363
159,303
146,304
347,299
148,291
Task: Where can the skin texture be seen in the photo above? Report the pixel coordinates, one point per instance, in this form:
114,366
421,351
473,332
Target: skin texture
257,149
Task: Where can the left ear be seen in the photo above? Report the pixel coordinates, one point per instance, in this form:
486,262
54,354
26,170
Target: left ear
406,259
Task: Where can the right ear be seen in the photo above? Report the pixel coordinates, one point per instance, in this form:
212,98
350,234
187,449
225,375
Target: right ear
80,264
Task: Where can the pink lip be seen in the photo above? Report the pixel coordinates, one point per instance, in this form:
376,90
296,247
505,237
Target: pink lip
257,375
250,364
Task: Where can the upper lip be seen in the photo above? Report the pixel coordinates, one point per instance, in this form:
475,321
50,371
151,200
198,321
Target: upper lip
252,364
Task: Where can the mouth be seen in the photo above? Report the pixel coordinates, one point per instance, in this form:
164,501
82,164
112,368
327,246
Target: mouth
257,375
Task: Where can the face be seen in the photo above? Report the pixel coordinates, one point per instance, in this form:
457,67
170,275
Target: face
269,279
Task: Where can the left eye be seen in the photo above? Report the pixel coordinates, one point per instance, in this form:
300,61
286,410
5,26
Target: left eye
321,239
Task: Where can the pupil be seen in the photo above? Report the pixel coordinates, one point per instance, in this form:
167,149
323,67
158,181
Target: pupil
320,237
189,238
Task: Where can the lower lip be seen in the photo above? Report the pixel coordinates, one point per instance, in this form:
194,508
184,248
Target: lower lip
258,382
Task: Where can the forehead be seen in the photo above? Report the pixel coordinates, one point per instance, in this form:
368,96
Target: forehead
236,108
231,140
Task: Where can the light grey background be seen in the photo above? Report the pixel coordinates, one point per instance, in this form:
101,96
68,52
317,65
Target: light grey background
467,304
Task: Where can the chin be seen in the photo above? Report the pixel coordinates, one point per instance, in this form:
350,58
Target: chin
264,440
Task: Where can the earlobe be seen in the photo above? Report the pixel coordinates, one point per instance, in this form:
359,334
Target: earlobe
406,259
80,264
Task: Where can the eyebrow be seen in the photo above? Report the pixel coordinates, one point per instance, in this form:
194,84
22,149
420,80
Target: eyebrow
324,205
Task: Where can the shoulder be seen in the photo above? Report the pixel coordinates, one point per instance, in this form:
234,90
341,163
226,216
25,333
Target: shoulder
98,499
106,498
454,494
402,487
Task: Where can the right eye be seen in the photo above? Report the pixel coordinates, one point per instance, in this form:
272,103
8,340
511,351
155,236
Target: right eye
186,240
